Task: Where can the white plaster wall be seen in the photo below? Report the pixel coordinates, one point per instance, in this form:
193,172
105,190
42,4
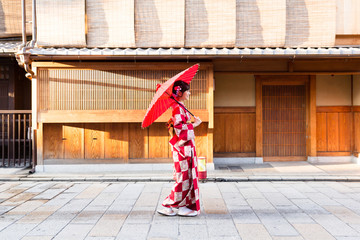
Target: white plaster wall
356,88
234,90
333,90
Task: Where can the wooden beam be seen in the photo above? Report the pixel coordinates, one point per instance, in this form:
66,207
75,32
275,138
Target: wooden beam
235,109
15,111
356,108
230,154
119,65
96,116
312,123
259,130
284,159
335,154
331,109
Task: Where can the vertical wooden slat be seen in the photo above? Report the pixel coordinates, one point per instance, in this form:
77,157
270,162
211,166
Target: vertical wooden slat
13,138
3,140
19,140
321,132
31,142
25,140
345,124
8,138
312,112
219,133
332,132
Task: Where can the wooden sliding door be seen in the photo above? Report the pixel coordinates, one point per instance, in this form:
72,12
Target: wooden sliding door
283,119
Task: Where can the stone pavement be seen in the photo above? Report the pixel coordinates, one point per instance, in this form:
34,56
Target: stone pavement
279,210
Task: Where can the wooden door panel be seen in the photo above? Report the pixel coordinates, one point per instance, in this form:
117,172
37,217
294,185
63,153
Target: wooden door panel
53,141
73,141
116,139
138,141
284,119
158,141
233,133
94,141
247,132
332,132
357,131
345,124
219,133
321,133
201,140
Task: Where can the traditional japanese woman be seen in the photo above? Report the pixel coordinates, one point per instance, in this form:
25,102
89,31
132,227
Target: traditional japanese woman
184,195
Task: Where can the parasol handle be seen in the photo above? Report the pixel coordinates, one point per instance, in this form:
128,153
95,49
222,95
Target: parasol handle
181,105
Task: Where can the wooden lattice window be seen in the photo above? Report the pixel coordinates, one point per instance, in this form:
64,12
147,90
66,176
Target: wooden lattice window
84,89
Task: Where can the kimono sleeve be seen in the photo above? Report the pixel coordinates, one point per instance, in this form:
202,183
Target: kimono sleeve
184,130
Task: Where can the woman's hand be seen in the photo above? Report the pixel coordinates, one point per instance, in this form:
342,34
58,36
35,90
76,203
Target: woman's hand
197,122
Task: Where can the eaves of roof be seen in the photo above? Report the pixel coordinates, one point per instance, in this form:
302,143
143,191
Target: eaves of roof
12,47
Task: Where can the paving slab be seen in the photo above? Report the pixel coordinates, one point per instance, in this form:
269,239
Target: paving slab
253,231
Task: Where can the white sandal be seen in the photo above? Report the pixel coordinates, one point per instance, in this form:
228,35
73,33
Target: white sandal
166,211
186,212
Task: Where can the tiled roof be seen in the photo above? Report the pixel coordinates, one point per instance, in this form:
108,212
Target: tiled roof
8,47
334,51
11,47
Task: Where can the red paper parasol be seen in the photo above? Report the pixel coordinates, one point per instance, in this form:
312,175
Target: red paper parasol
162,99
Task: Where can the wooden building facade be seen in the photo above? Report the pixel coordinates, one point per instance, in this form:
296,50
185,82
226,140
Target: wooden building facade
94,111
278,80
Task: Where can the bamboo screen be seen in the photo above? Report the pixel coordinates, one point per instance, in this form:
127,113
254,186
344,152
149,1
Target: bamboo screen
310,23
79,89
10,18
60,23
284,120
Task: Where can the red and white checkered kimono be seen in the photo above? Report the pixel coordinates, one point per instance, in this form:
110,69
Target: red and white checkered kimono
185,191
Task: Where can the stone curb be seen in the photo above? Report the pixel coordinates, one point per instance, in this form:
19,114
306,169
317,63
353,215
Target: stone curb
168,179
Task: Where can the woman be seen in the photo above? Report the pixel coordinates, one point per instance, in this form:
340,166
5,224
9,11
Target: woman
184,195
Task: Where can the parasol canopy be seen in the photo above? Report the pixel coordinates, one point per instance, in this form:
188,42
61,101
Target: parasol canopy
163,99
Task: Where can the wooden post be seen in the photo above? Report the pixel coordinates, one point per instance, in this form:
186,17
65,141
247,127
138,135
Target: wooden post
210,137
39,145
312,131
210,107
211,97
259,130
352,135
38,128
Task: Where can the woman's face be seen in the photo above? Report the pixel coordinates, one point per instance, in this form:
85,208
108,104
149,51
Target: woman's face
185,96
